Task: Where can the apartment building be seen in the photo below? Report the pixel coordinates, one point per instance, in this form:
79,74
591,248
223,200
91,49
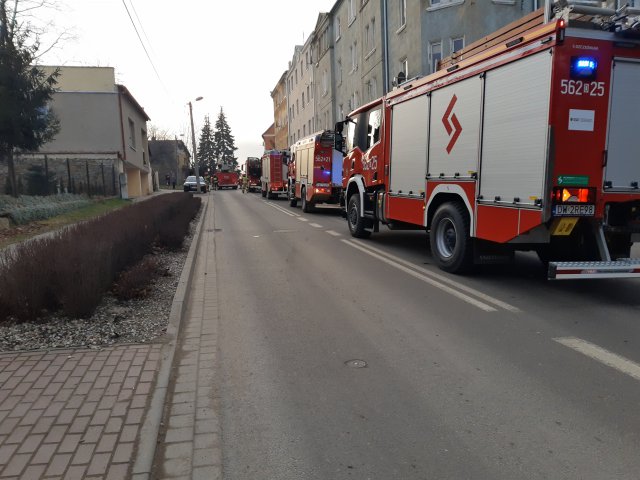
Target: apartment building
361,49
281,121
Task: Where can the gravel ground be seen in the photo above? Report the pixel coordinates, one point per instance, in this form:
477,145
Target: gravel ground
114,322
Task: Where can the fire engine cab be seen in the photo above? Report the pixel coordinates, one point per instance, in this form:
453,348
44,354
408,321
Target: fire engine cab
531,144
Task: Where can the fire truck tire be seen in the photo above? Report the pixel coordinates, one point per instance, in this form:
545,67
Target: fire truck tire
306,206
355,221
450,240
293,201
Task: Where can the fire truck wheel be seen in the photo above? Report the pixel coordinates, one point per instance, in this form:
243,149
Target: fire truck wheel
306,206
293,201
355,221
450,241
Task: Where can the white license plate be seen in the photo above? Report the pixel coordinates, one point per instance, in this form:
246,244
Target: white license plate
574,210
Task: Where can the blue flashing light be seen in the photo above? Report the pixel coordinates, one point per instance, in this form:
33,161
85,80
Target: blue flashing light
583,67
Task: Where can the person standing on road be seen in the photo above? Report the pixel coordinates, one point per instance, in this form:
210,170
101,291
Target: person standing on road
215,182
173,180
245,183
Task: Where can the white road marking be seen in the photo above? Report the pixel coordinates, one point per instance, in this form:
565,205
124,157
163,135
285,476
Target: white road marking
315,225
444,279
302,219
425,278
284,231
595,352
280,209
335,234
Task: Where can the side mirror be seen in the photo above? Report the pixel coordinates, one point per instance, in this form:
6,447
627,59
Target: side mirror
338,142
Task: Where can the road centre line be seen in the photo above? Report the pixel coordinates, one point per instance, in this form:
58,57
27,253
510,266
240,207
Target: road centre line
280,209
443,279
302,219
335,234
316,225
606,357
424,278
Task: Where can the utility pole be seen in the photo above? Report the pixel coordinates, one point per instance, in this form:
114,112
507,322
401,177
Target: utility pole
193,139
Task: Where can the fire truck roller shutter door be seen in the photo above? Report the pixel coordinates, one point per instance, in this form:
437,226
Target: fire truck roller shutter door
516,121
623,158
409,133
455,129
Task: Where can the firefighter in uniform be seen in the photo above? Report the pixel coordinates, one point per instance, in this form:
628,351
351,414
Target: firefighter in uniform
215,182
245,183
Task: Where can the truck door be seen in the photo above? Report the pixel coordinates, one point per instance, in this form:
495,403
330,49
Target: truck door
623,158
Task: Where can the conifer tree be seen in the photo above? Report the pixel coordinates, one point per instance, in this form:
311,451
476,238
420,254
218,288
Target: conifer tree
26,122
206,148
224,143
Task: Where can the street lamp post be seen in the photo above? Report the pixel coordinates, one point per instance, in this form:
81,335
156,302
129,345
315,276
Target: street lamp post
193,139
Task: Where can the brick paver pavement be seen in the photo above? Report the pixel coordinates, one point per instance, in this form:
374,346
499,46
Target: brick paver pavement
73,414
94,414
190,444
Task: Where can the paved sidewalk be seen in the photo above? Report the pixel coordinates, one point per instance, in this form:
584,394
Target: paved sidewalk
99,414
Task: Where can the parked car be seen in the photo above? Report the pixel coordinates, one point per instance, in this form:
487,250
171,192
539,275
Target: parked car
190,184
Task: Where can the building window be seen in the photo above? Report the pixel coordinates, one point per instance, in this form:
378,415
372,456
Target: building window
337,26
297,107
309,126
435,55
308,97
325,82
402,5
143,135
339,73
444,3
371,89
352,10
132,134
369,33
404,67
304,130
457,44
303,100
353,50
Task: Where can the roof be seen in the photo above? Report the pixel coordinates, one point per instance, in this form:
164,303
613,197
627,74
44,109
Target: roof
124,91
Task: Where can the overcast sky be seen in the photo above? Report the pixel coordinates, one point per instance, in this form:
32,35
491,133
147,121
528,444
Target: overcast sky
231,52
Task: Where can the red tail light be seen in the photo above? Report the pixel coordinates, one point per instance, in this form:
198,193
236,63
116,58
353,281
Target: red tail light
574,195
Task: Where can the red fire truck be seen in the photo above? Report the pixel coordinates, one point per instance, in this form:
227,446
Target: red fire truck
315,171
253,170
227,180
531,144
274,173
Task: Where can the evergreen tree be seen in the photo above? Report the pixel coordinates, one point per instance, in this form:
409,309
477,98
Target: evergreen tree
224,143
26,122
206,148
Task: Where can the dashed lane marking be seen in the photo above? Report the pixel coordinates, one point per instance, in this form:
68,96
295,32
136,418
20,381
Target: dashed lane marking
315,225
335,234
602,355
302,219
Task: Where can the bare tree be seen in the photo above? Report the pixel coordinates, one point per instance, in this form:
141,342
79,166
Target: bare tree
158,133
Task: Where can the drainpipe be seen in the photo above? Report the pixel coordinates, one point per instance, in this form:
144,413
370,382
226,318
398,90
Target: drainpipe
385,47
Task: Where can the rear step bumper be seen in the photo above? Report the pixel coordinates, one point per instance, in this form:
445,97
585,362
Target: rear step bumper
621,268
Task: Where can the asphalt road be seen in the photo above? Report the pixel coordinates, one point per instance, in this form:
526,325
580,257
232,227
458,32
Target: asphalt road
358,359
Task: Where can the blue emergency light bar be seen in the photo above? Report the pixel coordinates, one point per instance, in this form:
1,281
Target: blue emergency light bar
584,68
